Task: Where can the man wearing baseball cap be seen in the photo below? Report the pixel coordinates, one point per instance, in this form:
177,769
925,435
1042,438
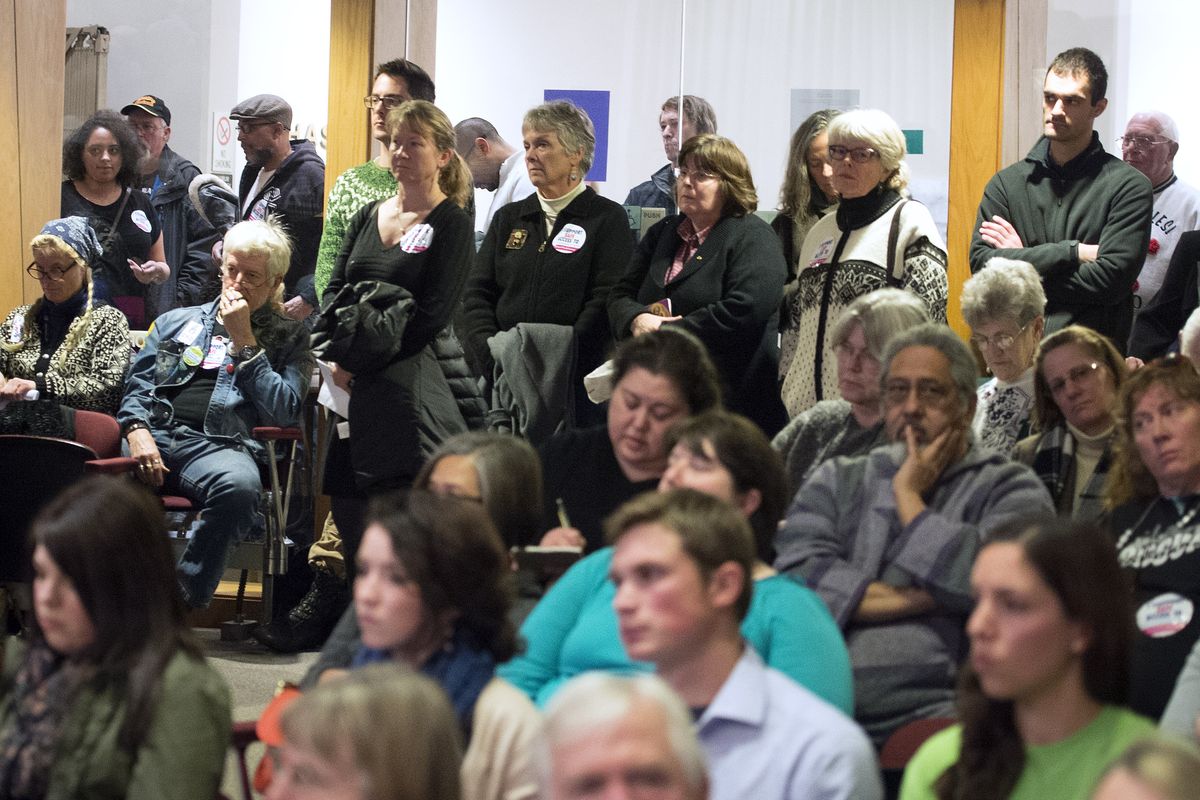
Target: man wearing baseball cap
187,237
284,177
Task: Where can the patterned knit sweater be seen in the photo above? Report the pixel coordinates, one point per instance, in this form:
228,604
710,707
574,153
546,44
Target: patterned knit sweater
89,376
354,188
845,256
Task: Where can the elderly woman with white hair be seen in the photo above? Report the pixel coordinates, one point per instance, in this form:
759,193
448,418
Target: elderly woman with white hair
205,378
852,424
876,237
1005,306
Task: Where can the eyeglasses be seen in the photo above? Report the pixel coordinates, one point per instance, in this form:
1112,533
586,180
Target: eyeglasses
929,392
859,155
1074,375
252,280
54,273
149,126
1001,341
388,101
1140,142
695,175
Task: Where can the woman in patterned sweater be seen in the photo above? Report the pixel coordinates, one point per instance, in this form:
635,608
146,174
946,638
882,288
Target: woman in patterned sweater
63,345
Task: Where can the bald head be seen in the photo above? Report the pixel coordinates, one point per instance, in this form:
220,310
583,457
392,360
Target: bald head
1150,143
484,150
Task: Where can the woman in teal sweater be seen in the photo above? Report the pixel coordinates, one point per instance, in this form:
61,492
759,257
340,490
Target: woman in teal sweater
574,629
1040,701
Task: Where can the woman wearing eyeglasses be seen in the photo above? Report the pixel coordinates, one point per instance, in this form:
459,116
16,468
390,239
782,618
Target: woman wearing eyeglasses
1154,494
876,237
100,160
716,270
1004,305
64,345
1077,376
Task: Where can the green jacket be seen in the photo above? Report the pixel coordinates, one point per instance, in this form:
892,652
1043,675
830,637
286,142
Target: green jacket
181,757
1095,198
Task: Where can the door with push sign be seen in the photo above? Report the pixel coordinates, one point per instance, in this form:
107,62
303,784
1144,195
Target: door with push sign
1165,615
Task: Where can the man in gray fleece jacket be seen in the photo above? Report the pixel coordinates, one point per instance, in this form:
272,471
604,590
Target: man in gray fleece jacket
888,539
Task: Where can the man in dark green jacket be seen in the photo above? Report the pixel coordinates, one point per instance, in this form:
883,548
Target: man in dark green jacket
1080,215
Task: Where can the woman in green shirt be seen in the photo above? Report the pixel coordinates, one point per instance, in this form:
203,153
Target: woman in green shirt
1039,701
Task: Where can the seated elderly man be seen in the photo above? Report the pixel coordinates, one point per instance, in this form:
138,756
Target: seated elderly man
610,736
888,539
205,378
682,565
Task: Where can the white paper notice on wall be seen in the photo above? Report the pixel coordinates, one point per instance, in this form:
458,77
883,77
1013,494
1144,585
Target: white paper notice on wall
806,101
224,139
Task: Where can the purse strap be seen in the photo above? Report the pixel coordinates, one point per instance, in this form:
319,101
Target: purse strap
893,278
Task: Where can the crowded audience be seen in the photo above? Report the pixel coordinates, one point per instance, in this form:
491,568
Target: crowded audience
565,557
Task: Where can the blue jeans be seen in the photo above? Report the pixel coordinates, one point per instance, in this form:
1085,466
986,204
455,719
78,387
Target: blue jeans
224,483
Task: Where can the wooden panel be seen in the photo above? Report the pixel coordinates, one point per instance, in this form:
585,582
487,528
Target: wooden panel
1024,74
348,135
421,42
31,107
976,114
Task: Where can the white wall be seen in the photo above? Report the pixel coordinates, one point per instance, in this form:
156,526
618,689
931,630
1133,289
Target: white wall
744,56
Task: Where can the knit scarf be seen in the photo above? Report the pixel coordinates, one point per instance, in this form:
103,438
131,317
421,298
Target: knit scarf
1054,463
45,686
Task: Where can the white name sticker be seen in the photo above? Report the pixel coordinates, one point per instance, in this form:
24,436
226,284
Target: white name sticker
569,239
216,353
822,254
1165,615
418,239
189,332
139,218
18,327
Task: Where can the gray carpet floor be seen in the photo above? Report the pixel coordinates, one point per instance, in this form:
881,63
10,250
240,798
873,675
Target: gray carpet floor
252,672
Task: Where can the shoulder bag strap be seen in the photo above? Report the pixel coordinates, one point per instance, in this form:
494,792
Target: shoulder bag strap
893,276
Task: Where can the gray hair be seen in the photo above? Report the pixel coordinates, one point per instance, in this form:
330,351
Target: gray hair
963,369
882,134
262,237
1189,337
882,314
1166,125
570,123
1004,289
596,700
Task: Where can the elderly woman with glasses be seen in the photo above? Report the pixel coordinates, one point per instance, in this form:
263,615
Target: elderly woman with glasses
1004,304
205,378
715,270
64,346
1078,375
876,237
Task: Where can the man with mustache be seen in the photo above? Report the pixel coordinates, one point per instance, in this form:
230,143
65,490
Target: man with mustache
888,539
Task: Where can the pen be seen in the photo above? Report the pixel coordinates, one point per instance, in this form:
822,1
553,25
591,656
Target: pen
563,520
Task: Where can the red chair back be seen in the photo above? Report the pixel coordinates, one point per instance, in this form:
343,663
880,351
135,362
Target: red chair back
100,432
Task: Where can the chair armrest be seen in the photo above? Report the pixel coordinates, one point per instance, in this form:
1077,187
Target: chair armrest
266,433
110,466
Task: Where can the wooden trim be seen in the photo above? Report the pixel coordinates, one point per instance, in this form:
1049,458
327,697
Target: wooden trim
351,65
976,134
32,70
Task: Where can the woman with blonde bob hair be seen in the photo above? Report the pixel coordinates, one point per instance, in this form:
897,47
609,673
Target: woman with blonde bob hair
379,733
416,246
876,237
716,270
64,346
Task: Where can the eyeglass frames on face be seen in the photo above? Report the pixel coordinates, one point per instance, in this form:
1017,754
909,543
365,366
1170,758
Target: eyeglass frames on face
388,101
694,175
929,393
858,155
1074,375
1001,341
252,280
1140,142
54,273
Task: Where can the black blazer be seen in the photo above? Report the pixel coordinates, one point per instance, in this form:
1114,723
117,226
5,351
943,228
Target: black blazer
1156,328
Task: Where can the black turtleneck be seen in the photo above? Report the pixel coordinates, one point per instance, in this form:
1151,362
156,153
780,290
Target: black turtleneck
858,212
54,319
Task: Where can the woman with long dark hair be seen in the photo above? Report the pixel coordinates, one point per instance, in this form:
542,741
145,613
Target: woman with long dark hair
1040,699
111,697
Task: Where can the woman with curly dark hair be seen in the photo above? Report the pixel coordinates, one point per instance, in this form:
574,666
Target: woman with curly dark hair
1040,700
100,163
433,590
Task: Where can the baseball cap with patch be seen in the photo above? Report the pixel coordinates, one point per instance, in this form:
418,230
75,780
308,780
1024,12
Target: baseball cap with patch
264,108
151,105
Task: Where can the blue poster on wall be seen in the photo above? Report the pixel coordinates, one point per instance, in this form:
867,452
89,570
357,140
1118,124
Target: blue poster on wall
595,103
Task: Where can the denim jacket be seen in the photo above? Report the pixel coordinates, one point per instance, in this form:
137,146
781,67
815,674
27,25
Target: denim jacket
264,390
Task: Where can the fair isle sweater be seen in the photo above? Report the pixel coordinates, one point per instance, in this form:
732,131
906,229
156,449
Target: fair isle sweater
354,188
846,256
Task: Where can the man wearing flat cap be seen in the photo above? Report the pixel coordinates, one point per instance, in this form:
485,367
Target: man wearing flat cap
284,177
187,236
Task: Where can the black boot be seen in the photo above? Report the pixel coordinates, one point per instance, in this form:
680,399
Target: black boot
308,625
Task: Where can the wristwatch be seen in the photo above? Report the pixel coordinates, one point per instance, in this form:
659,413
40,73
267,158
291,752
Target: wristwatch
247,352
